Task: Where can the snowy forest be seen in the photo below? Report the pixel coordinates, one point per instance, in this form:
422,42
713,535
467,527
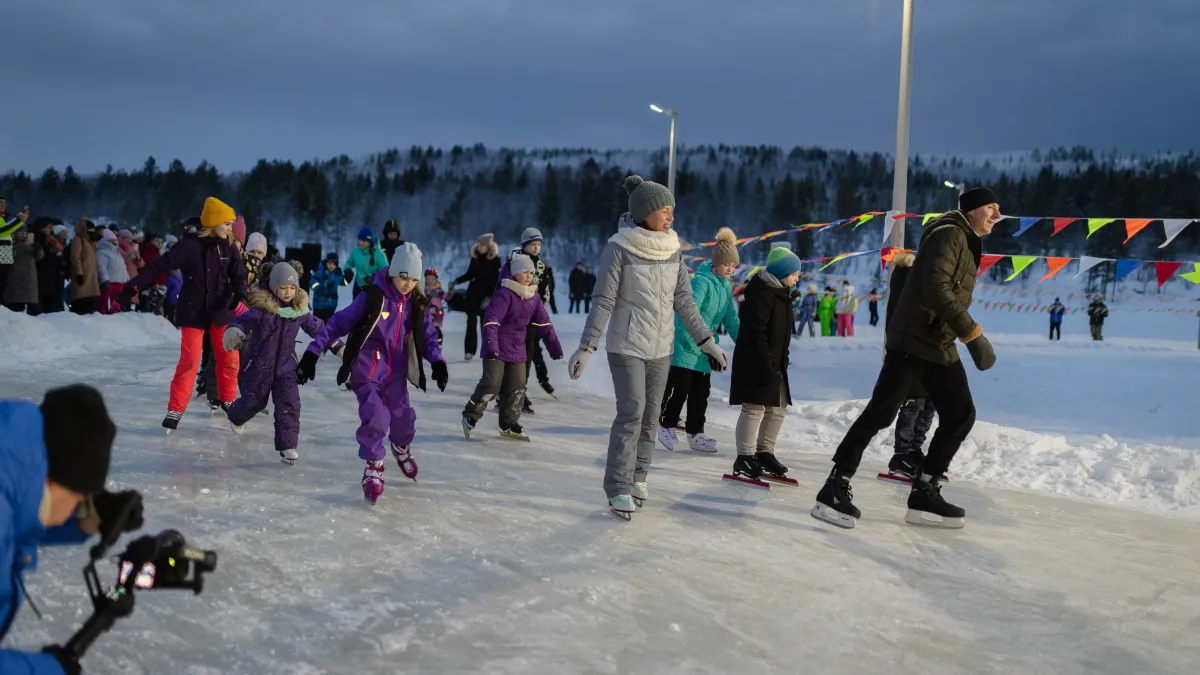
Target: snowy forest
574,195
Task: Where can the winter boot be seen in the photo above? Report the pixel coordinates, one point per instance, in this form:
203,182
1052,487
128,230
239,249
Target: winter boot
171,422
403,457
927,507
640,493
622,506
747,467
372,481
668,438
702,443
770,465
467,426
289,456
835,501
515,432
907,464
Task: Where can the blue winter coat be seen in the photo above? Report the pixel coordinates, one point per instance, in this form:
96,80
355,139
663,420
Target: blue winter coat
325,287
808,305
23,468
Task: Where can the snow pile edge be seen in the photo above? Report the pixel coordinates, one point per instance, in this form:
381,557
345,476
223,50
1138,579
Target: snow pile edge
34,340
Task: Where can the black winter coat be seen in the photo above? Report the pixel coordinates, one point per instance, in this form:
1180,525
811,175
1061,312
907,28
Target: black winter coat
484,275
52,269
760,359
577,283
902,265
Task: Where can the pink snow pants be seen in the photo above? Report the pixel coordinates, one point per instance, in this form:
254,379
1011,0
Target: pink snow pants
845,327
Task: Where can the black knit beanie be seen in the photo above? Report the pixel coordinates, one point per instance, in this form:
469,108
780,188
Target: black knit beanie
79,436
975,198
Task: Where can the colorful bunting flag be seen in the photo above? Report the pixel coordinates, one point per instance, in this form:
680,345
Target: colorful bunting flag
1055,264
889,221
836,259
1135,225
1164,270
986,261
1026,223
1020,262
1124,267
1172,227
1087,262
1094,225
928,217
1194,275
1061,224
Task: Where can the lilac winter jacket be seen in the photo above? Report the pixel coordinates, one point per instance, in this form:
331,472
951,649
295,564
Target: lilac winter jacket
513,308
272,350
214,280
386,351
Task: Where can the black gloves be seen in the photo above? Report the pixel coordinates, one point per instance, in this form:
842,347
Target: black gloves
440,374
982,353
348,275
110,506
126,296
307,370
67,662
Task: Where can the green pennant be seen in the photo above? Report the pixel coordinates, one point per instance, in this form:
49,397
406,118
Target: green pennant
928,217
1094,224
1020,262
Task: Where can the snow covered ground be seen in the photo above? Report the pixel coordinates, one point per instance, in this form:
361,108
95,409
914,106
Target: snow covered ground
503,558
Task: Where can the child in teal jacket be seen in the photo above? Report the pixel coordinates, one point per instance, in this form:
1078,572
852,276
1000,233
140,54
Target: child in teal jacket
690,377
365,260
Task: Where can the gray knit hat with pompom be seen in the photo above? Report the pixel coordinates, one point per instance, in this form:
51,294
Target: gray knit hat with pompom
646,197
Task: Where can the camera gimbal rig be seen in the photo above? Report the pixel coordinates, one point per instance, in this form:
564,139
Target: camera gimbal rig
171,557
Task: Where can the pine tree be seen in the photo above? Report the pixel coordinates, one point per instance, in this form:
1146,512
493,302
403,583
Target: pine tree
548,207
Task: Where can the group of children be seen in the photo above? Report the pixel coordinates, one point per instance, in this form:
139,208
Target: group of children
834,310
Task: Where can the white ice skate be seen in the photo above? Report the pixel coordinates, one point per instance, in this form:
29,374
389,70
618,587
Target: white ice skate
640,493
702,443
668,438
622,506
289,456
237,429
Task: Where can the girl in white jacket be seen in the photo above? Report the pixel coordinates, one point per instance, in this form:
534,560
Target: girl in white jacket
111,270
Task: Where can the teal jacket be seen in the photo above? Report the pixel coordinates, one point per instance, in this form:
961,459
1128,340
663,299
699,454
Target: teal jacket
365,263
714,298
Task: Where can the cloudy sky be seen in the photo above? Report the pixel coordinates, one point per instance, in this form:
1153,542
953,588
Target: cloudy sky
92,82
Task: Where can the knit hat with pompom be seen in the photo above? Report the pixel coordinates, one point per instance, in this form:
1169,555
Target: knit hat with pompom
646,197
725,252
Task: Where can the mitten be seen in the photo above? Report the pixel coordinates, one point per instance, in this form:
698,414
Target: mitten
307,370
577,363
440,374
233,339
716,357
982,353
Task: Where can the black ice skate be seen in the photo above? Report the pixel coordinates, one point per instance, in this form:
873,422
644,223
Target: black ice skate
903,467
549,389
835,503
773,470
515,432
927,507
527,408
171,422
746,470
467,426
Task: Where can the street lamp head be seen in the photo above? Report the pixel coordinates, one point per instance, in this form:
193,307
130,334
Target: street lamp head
655,108
949,184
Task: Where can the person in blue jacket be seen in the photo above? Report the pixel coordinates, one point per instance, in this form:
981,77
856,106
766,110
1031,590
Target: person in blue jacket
326,280
53,465
1056,315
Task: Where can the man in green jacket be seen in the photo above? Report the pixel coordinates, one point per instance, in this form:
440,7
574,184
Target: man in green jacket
930,316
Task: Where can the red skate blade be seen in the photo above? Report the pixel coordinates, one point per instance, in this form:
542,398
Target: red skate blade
782,480
895,478
747,481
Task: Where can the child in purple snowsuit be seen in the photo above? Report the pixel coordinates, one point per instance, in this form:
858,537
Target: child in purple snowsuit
270,327
437,300
390,334
514,307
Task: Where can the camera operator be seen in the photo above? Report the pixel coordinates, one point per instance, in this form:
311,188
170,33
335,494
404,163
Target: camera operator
53,466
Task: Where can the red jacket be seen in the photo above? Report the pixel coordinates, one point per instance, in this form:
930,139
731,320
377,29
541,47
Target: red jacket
150,253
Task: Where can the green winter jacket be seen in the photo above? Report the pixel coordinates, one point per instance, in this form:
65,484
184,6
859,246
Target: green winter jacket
714,298
365,263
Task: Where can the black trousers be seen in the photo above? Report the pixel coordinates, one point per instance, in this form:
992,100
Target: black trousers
84,306
946,385
587,304
474,325
913,423
505,379
576,303
1056,328
534,355
692,387
21,307
51,303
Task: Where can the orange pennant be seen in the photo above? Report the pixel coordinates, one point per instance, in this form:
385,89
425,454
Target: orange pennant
1055,264
1135,225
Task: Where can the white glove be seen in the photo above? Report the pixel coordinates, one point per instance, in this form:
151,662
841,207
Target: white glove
716,357
577,363
233,339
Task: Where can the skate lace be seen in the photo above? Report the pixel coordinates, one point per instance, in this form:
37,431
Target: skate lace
374,471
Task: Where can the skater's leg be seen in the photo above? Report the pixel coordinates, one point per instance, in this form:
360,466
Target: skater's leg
402,418
285,395
656,381
746,432
951,396
906,422
250,404
512,393
922,424
679,382
374,421
190,345
768,430
485,392
895,379
226,365
472,337
629,384
697,401
539,362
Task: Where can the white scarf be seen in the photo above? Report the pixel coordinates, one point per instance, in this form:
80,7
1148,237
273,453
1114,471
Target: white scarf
524,292
645,243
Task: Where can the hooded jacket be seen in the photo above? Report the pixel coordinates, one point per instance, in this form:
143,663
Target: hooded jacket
23,470
273,330
366,262
110,268
714,300
760,358
22,284
483,273
325,286
642,285
130,254
214,279
390,245
515,307
83,264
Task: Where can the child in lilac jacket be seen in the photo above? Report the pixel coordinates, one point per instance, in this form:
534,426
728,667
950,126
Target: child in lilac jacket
514,307
390,334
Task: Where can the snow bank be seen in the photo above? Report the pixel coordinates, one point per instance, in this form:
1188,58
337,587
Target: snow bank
34,339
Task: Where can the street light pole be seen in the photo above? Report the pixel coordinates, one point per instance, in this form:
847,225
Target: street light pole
900,171
673,114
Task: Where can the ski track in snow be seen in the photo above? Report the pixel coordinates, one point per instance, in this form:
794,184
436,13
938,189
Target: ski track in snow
503,558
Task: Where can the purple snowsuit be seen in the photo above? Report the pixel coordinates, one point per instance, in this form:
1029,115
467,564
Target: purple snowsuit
385,365
270,366
508,316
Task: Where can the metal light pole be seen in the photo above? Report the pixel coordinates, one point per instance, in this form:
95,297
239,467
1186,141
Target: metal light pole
673,113
955,186
900,185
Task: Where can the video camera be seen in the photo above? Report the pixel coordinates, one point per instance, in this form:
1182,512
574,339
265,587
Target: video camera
163,561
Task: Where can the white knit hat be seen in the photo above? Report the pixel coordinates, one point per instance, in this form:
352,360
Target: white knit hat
521,263
406,262
257,242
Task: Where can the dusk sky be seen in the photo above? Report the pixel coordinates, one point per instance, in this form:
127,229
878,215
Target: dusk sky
92,82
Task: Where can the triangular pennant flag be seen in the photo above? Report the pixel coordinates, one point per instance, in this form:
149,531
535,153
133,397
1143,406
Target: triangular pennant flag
1164,270
1087,262
1026,223
888,222
836,259
1172,227
1135,225
1194,275
928,217
1055,264
1061,224
1094,224
1020,262
1124,267
862,219
986,261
